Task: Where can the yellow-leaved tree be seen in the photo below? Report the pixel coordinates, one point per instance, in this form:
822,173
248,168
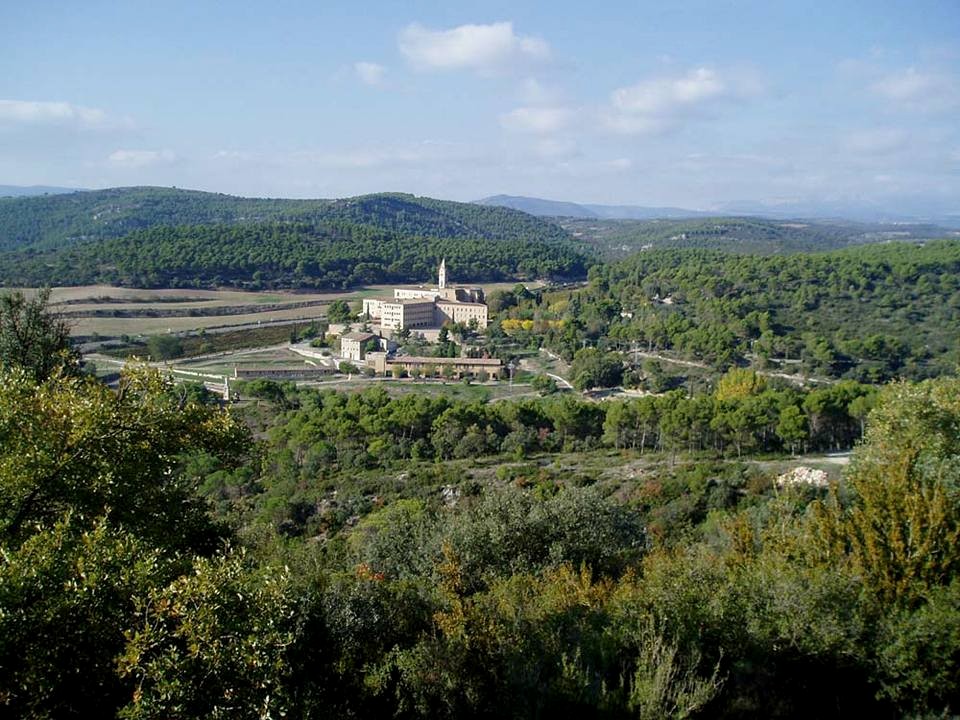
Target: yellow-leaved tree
902,528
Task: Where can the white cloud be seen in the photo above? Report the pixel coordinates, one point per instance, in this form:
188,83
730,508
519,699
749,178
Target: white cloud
917,89
485,49
370,73
57,114
876,141
658,104
137,159
664,95
541,120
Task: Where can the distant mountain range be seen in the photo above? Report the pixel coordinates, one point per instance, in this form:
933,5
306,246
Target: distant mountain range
31,190
912,210
906,210
555,208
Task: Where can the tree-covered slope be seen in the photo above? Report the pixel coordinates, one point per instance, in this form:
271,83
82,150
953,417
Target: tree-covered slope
153,237
60,220
871,312
616,239
323,255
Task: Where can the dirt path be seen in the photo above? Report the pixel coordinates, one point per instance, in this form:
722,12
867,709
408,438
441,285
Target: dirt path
664,358
799,379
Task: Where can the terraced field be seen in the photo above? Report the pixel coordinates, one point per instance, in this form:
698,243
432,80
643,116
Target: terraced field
111,312
105,311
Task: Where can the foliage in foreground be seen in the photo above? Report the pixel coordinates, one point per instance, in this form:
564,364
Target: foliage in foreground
511,603
32,338
94,511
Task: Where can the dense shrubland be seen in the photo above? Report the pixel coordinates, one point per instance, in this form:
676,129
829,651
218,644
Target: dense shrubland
140,575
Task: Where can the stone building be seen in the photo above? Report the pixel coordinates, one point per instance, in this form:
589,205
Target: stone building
353,345
428,307
384,364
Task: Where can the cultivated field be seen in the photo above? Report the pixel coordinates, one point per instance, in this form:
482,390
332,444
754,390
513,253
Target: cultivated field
115,327
89,307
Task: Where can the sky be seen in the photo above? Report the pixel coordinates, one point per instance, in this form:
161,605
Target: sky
701,104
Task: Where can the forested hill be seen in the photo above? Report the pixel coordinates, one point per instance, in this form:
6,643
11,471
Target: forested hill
869,313
616,239
59,220
152,237
323,255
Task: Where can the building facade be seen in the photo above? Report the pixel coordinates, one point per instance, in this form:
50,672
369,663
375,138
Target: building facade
353,345
429,307
484,368
461,312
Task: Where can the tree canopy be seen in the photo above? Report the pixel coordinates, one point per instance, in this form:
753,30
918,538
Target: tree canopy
32,338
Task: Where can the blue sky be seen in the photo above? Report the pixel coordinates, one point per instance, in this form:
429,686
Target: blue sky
694,103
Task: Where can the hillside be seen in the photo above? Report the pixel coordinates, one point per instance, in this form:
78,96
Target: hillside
157,237
53,221
325,255
616,239
869,313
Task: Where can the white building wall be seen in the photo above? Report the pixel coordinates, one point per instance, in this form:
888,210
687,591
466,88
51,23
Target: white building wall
372,307
462,313
350,349
414,294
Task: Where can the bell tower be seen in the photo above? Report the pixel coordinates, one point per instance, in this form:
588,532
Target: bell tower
442,279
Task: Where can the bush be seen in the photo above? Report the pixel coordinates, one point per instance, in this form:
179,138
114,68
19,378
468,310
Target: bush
164,347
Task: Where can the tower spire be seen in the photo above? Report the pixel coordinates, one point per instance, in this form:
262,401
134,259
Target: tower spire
442,279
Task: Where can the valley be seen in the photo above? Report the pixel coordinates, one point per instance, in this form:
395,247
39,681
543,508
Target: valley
649,409
458,361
